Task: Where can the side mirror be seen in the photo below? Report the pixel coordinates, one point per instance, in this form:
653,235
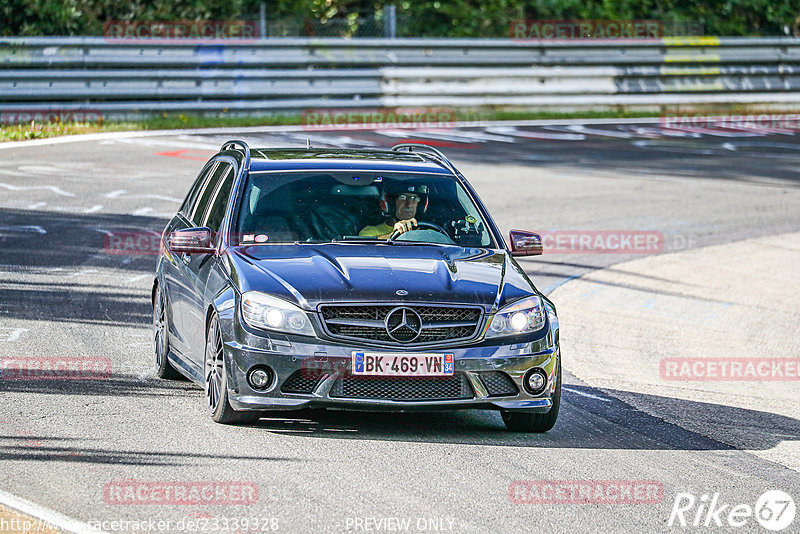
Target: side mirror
191,241
525,243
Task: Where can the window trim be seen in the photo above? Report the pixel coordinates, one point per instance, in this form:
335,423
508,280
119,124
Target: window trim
198,182
201,191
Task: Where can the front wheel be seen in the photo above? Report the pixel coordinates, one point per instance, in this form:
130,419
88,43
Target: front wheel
536,422
216,381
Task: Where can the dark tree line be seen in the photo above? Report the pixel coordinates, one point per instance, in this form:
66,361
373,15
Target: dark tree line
418,18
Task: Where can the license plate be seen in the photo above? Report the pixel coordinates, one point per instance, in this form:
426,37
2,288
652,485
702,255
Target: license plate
402,364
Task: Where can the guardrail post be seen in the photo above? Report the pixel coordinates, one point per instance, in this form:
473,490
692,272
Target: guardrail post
390,21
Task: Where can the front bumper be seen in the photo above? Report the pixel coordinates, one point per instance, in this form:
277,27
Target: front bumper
286,357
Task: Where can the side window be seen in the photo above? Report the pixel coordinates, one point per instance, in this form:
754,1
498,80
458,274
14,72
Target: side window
202,179
219,201
206,194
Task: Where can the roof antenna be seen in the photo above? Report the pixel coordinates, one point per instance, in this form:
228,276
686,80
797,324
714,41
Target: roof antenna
308,143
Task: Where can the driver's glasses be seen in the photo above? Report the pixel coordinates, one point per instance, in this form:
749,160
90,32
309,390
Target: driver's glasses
408,198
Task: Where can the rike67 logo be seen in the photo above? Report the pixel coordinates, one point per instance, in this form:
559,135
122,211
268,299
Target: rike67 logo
774,510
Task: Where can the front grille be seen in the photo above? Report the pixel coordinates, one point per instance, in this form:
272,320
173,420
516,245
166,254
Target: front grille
403,388
302,381
368,322
499,384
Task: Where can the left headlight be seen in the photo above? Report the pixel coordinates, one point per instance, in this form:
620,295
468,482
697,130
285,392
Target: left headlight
521,317
265,311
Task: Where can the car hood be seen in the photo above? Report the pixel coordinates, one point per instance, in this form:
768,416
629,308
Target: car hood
347,272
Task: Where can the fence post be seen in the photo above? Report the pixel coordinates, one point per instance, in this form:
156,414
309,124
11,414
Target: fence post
262,20
390,21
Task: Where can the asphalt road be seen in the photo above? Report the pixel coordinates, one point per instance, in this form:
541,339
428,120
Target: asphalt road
66,444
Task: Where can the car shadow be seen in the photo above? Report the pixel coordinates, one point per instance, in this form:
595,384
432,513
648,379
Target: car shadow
66,267
33,448
589,419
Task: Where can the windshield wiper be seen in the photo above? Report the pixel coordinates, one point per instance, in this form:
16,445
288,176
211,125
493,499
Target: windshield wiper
429,243
355,240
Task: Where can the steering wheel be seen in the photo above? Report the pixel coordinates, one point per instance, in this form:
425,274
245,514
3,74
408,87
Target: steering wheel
420,225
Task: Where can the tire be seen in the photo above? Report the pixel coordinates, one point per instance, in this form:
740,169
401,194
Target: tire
536,422
216,381
164,369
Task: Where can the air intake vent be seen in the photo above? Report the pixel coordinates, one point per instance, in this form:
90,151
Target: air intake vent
302,381
403,388
499,384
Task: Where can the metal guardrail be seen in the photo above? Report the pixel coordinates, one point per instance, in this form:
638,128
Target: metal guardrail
124,78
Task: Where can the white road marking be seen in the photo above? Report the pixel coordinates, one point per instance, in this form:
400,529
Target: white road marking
579,128
527,134
54,189
13,334
137,278
39,169
645,131
456,136
330,139
79,273
586,394
47,516
121,193
24,228
36,205
69,209
169,144
718,133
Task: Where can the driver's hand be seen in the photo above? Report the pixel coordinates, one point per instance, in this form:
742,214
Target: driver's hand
405,225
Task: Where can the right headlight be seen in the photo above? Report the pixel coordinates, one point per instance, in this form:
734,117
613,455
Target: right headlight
521,317
265,311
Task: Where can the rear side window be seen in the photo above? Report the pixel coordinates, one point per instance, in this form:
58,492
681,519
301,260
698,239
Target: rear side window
199,183
219,200
191,198
206,194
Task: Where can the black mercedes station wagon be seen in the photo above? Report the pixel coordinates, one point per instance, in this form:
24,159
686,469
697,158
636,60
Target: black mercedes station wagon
351,279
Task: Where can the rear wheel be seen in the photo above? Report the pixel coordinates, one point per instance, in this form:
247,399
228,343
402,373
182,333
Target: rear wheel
216,381
536,422
164,369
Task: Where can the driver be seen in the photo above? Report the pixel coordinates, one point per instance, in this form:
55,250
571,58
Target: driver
403,218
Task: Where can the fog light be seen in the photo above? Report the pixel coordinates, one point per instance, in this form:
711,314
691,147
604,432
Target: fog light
535,381
259,377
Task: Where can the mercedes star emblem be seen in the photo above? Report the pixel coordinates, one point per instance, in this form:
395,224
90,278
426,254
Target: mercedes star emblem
403,324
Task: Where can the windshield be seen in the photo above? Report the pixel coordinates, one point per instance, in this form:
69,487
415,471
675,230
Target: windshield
346,206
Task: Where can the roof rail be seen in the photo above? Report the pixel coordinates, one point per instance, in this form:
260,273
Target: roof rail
435,152
232,145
